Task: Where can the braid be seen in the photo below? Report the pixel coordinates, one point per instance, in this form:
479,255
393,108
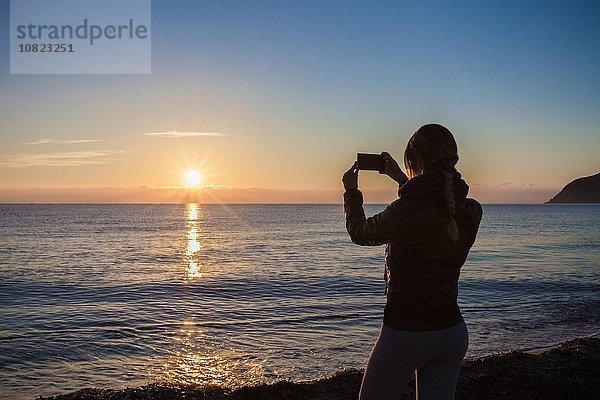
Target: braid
451,205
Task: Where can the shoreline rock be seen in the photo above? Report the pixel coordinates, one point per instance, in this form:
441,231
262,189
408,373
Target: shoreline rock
568,371
581,190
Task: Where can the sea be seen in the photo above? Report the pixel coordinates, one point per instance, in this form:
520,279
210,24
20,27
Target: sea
119,296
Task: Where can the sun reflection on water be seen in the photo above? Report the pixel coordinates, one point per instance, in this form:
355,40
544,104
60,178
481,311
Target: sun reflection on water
193,211
196,356
193,219
198,359
219,369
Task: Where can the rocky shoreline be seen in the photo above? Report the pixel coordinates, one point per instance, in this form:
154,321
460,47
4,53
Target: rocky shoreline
568,371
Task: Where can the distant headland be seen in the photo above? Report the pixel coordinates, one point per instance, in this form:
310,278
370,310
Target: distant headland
581,190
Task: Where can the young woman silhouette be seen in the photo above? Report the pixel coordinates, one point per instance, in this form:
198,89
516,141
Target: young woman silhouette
428,232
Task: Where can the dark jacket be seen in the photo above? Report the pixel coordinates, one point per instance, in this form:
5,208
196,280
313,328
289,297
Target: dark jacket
422,263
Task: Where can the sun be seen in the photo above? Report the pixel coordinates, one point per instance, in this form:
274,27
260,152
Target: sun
193,178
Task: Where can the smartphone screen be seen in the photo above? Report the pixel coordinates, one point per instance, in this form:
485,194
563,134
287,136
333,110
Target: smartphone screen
370,162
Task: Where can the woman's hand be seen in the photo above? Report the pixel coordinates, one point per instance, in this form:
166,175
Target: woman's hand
392,169
350,178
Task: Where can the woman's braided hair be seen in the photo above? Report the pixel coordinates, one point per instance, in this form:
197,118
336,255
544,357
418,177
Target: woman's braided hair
432,147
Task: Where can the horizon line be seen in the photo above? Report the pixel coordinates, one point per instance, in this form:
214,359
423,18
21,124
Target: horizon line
253,203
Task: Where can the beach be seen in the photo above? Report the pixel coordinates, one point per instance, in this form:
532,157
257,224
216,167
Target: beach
567,371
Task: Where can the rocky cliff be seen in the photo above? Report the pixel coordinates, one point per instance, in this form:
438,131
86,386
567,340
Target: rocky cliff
581,190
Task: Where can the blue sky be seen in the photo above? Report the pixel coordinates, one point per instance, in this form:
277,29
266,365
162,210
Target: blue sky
298,87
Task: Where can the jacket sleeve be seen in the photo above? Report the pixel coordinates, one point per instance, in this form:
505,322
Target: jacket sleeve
475,209
379,229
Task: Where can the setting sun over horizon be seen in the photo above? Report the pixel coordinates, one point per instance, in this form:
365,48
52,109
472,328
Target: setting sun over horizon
193,178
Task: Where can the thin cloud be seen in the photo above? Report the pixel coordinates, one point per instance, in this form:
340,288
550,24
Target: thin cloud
40,141
180,134
505,184
75,141
65,159
82,141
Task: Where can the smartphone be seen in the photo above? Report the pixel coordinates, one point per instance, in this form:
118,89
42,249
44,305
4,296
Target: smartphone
370,162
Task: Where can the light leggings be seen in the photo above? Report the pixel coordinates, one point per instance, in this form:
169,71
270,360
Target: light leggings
434,357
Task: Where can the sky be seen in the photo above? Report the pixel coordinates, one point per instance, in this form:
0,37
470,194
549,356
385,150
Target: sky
270,101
